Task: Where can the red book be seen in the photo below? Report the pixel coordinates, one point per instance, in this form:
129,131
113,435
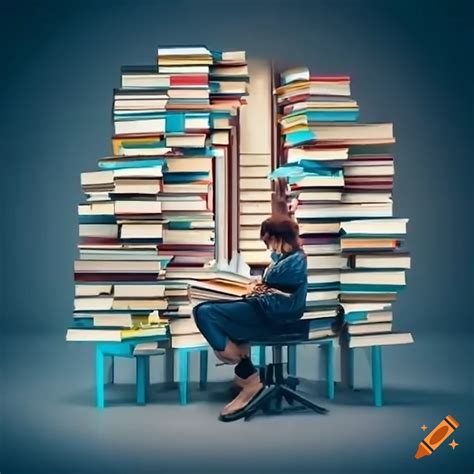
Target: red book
330,78
86,277
189,80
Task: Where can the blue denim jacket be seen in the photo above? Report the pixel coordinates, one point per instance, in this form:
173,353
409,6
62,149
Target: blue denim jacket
288,273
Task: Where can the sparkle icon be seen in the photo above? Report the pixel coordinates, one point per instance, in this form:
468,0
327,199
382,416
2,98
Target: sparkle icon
424,427
453,444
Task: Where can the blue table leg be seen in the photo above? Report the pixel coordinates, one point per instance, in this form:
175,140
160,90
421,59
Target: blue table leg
254,354
147,376
112,370
292,360
330,369
183,376
203,361
141,379
99,377
377,384
169,366
350,364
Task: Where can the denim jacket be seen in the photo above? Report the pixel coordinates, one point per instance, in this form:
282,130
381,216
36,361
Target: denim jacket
289,275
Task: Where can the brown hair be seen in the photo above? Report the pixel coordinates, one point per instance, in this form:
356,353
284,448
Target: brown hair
282,228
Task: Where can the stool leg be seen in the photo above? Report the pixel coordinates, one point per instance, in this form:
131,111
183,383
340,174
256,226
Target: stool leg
291,360
99,378
330,370
183,376
203,361
262,356
140,379
377,385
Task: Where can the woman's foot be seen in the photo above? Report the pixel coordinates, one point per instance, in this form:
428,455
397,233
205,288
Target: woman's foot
251,386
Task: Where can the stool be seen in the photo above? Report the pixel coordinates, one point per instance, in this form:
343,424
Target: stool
183,358
122,349
277,387
258,358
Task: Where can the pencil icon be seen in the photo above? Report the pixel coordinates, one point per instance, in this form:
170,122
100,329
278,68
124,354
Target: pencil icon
437,437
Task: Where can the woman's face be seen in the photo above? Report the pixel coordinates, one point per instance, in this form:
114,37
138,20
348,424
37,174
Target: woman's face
274,244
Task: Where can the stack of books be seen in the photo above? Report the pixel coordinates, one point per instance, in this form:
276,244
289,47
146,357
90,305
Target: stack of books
342,174
118,294
255,163
152,208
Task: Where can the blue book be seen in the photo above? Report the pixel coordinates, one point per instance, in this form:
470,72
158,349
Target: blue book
96,219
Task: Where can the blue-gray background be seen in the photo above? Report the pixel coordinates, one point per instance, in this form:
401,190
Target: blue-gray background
410,65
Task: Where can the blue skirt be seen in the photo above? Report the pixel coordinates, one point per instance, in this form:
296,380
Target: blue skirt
238,320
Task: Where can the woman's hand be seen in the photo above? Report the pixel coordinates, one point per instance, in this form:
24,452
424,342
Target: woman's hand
280,206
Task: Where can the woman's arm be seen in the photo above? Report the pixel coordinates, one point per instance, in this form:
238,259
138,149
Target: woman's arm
290,271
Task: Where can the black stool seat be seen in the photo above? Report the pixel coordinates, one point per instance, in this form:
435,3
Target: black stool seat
279,388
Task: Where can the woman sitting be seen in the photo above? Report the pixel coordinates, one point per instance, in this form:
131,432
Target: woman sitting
269,308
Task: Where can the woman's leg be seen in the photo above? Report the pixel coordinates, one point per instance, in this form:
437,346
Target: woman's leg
208,319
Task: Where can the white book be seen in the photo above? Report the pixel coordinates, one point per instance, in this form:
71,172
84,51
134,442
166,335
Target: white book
255,159
375,226
138,207
252,233
358,307
188,340
139,126
313,296
93,290
372,328
94,178
254,171
113,266
324,277
255,207
392,338
141,231
95,335
98,230
96,209
387,170
382,261
183,326
323,262
139,291
373,277
344,210
297,154
254,195
93,304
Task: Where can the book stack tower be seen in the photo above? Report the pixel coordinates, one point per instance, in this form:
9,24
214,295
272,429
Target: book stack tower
342,172
148,227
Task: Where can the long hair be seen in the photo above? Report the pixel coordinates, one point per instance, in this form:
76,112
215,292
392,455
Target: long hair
282,228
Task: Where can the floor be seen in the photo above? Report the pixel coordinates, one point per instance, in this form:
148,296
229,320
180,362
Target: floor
51,424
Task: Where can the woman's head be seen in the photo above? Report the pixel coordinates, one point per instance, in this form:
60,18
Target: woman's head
280,234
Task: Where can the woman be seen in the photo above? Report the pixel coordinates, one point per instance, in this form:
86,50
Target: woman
269,309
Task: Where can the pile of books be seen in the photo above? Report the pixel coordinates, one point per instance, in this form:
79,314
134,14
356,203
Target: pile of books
150,219
255,163
341,170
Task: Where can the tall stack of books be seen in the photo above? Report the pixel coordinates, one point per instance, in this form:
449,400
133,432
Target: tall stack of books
155,201
255,164
342,174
